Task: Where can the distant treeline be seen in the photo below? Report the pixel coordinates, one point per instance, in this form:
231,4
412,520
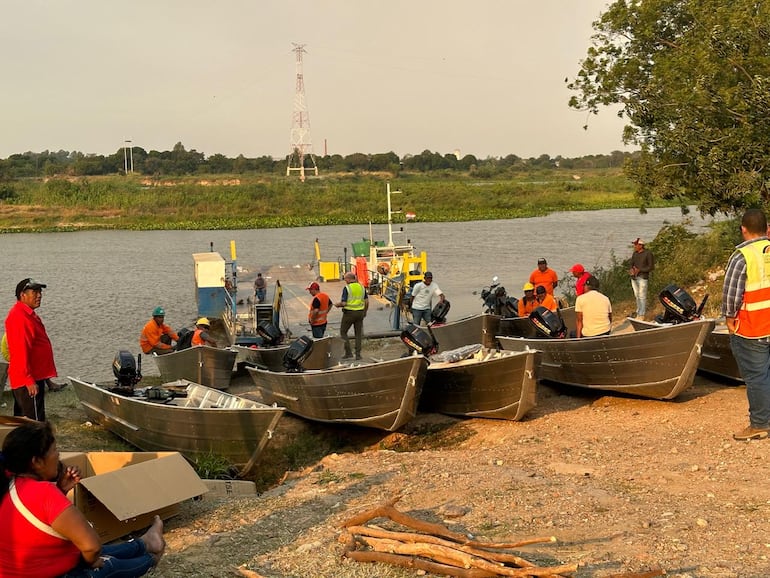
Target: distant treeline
180,161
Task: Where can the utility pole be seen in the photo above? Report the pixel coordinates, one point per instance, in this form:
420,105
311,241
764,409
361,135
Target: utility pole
301,144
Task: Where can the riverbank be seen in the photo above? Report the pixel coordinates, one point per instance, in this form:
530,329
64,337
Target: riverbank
623,484
217,202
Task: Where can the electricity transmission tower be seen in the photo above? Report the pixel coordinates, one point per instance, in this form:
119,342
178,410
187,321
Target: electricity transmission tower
301,145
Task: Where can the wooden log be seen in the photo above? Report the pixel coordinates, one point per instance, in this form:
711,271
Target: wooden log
388,511
419,564
413,537
450,556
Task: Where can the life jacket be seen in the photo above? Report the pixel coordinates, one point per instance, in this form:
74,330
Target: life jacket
319,318
753,319
355,300
196,338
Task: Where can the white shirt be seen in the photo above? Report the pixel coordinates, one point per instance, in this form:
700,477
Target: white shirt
422,295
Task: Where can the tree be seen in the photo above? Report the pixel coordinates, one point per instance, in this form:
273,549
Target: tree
693,79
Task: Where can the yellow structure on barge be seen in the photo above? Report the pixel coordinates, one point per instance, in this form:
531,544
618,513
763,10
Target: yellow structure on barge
389,270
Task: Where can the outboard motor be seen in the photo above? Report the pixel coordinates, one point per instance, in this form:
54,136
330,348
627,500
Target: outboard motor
439,312
548,323
127,372
510,308
297,353
269,333
494,297
419,340
678,305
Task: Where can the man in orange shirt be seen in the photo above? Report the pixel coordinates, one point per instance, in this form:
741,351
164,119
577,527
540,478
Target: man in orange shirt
544,299
528,303
544,276
156,336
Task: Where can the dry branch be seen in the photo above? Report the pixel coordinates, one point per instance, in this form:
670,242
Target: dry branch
437,549
419,564
412,537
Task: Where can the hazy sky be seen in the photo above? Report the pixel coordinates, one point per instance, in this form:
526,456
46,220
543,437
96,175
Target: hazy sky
484,77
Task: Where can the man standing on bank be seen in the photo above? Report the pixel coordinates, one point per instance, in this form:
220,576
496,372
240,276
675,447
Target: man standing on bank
354,304
746,307
642,262
422,299
31,353
544,276
319,310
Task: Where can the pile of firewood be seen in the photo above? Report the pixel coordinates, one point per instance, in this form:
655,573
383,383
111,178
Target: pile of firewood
436,549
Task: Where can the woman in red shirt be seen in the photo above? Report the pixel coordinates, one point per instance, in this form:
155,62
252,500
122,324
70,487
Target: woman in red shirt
42,533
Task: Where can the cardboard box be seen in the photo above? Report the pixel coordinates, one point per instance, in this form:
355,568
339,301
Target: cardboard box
229,489
121,492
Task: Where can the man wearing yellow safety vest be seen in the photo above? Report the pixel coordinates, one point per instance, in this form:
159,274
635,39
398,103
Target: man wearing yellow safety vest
746,307
354,303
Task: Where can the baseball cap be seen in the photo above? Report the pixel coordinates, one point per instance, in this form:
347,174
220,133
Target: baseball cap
638,241
577,268
428,274
313,285
28,283
542,261
540,289
592,282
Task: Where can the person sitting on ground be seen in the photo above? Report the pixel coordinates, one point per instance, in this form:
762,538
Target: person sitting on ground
156,336
593,311
528,303
544,276
201,334
544,299
580,275
43,534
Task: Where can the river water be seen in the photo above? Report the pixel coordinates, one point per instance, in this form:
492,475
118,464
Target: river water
103,285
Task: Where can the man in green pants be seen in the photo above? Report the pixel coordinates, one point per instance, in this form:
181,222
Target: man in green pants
354,304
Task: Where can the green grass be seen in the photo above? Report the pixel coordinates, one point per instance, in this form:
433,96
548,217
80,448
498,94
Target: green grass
141,203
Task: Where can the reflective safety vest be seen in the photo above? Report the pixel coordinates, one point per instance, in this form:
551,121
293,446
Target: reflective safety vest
319,317
356,294
196,338
753,320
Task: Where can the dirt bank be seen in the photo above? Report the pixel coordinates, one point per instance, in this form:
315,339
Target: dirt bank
624,485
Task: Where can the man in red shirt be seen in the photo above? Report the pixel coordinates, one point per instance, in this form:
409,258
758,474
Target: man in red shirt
30,350
580,275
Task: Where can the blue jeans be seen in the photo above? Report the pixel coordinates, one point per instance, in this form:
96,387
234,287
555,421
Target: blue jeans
639,286
753,357
318,330
419,314
124,560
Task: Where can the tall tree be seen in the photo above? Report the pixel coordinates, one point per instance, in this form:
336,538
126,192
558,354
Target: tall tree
693,79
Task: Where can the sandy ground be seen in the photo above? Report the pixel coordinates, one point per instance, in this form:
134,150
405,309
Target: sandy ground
624,484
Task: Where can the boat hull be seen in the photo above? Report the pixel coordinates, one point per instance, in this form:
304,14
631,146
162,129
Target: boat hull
493,384
480,328
659,363
381,395
326,353
209,366
484,328
717,356
206,422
